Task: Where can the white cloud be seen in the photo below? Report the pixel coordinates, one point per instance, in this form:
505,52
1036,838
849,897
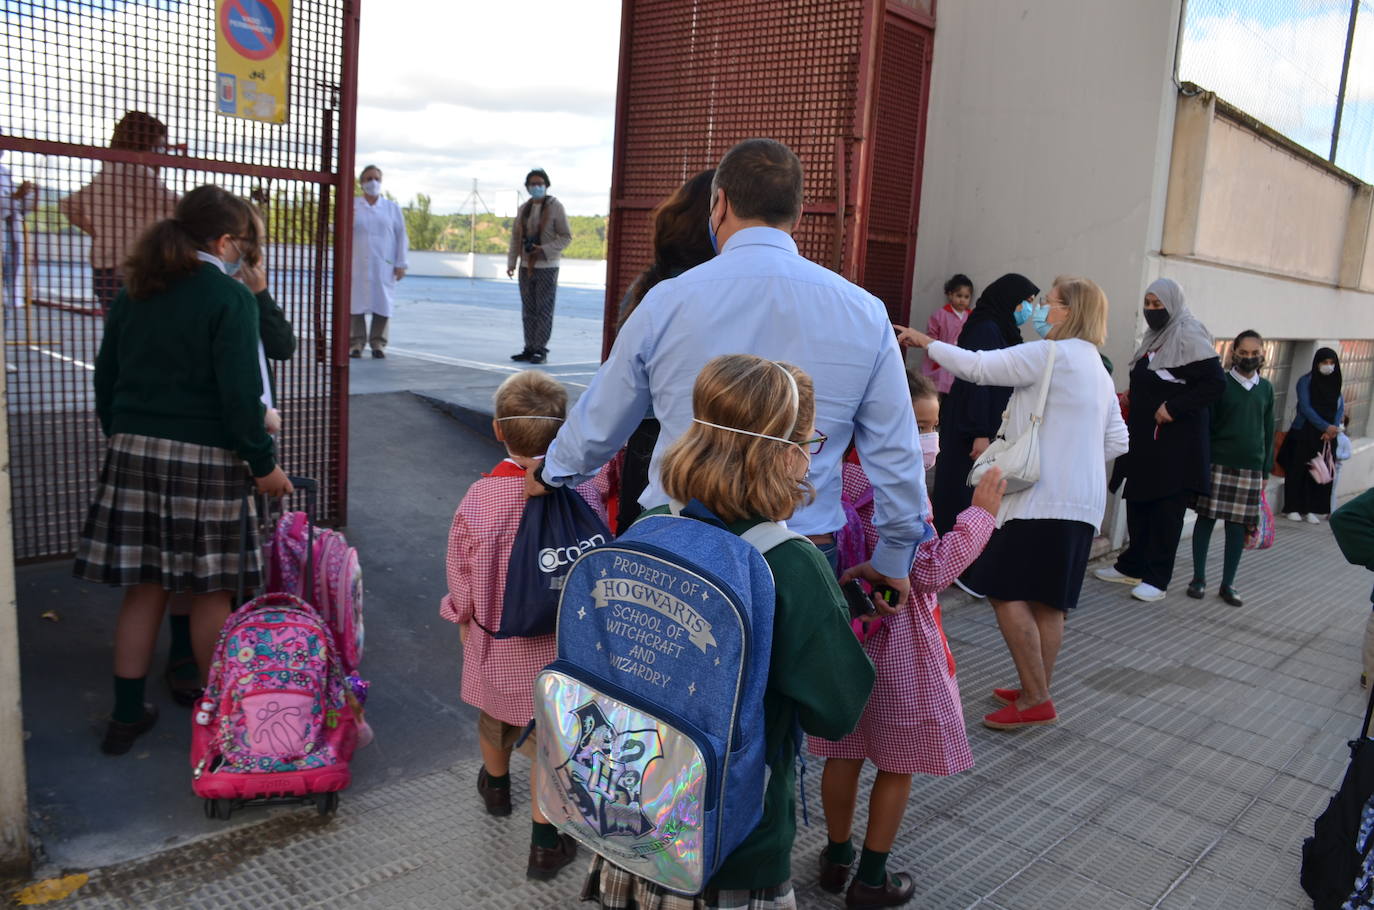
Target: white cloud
461,91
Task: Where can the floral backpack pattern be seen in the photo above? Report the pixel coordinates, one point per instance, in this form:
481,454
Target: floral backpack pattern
338,585
277,699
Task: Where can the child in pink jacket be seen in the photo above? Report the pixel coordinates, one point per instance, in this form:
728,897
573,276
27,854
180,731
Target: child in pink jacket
945,324
914,722
498,675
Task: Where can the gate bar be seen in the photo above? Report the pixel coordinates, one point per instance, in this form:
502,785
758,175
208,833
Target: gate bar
156,159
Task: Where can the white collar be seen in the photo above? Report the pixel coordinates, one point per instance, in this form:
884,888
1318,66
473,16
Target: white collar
1246,382
212,258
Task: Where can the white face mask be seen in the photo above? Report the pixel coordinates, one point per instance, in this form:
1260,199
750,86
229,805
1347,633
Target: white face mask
372,187
930,449
1326,369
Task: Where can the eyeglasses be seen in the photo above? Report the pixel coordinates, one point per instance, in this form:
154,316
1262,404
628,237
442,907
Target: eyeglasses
814,446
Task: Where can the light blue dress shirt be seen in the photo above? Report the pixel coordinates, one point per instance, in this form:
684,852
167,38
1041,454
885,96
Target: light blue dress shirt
760,297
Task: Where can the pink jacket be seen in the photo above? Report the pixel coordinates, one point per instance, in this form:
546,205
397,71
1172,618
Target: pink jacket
498,676
945,325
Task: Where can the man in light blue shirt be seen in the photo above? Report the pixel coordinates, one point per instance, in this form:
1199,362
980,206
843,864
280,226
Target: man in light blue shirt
758,296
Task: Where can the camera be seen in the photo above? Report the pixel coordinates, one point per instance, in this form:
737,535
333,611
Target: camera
531,243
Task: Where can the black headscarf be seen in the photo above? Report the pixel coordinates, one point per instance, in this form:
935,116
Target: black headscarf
1325,390
998,303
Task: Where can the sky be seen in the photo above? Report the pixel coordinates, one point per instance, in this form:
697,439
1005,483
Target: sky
452,92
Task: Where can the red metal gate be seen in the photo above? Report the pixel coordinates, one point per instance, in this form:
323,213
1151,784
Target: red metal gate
844,83
71,72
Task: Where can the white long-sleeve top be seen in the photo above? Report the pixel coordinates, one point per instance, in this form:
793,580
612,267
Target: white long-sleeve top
1082,428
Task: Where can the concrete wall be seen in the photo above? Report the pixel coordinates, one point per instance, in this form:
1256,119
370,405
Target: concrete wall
1047,148
14,813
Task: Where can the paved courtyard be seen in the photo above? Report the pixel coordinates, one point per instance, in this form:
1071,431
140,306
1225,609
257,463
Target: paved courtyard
1196,745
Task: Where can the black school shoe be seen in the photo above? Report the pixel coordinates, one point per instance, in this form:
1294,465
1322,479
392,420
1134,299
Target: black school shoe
524,355
119,738
1196,588
1231,597
833,876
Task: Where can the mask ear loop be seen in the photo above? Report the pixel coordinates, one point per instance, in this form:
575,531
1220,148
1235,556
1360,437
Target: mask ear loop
796,396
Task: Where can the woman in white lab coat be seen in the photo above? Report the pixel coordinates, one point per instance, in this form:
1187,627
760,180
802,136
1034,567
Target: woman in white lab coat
379,261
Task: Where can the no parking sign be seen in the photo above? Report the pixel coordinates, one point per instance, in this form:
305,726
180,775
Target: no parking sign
252,58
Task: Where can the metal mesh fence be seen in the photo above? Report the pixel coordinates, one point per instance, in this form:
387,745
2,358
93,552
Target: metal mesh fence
1282,62
72,70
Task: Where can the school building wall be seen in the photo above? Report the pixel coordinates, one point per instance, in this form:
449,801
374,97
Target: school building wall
1059,142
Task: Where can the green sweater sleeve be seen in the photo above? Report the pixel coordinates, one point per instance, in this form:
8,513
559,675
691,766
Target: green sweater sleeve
278,338
107,365
234,349
817,661
1353,527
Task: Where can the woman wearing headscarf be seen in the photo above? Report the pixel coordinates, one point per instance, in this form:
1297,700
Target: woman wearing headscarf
1321,408
1175,376
971,414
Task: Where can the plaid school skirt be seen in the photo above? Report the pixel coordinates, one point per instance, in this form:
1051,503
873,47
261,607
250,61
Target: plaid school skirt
617,889
172,514
1235,496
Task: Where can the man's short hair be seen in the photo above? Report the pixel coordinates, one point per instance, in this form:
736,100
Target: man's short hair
530,394
762,180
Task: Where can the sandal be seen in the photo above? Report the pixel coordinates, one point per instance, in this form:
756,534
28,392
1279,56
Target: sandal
184,691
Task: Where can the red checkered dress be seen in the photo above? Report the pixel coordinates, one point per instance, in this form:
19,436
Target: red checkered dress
498,676
914,723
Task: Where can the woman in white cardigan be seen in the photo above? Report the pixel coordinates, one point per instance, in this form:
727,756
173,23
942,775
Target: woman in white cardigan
1032,569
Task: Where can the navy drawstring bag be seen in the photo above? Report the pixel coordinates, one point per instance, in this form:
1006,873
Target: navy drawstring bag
555,530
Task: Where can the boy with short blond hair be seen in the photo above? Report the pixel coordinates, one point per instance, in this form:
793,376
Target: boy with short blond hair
498,675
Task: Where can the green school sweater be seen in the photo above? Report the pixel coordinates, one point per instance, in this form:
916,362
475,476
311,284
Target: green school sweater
183,365
819,675
1243,426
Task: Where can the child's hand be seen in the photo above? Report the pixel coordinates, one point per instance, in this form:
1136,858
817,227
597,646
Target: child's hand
988,494
464,629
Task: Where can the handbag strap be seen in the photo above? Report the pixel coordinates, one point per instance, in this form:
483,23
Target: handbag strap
1038,414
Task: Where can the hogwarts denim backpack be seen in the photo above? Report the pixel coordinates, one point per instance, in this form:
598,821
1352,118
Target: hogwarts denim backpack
650,720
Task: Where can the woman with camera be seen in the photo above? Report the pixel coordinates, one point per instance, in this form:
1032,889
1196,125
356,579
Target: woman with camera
538,237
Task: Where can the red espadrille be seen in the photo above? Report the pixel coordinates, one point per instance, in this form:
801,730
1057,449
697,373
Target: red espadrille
1011,718
1006,696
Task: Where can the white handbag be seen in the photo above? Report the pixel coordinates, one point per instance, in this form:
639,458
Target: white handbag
1018,458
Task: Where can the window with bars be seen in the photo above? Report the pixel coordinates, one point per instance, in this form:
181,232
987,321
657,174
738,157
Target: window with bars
1357,381
1277,368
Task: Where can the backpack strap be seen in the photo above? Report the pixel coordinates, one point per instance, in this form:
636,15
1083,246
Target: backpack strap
766,535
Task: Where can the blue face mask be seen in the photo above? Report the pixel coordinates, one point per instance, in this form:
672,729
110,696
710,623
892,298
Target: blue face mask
232,268
1023,312
537,192
1040,318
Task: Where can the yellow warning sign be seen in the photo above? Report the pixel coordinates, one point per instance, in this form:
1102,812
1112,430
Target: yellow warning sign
253,58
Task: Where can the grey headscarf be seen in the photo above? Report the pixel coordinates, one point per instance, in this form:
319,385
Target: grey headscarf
1183,339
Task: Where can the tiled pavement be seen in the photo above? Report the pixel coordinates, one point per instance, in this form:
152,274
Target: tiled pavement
1197,744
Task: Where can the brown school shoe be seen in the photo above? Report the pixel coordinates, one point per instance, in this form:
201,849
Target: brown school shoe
894,892
497,799
546,861
833,875
119,737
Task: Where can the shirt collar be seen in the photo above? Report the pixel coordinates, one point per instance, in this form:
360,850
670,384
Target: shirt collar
506,468
1246,382
761,236
212,259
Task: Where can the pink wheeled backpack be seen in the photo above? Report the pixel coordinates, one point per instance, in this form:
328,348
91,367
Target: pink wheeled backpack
277,720
338,585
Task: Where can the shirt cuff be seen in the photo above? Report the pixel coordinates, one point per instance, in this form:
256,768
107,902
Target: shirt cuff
894,560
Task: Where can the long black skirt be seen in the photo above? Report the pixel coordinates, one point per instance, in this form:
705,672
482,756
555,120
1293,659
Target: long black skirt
1301,493
1039,559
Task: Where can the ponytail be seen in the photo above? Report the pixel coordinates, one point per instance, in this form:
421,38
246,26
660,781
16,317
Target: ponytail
167,250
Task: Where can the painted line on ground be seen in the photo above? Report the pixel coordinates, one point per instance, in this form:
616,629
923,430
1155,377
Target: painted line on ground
62,357
471,364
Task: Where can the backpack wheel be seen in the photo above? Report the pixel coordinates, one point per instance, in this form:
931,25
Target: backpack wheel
327,803
219,808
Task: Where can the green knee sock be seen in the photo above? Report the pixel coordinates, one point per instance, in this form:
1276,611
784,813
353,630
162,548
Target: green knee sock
1235,545
872,867
840,851
128,706
181,648
545,835
1202,539
498,783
